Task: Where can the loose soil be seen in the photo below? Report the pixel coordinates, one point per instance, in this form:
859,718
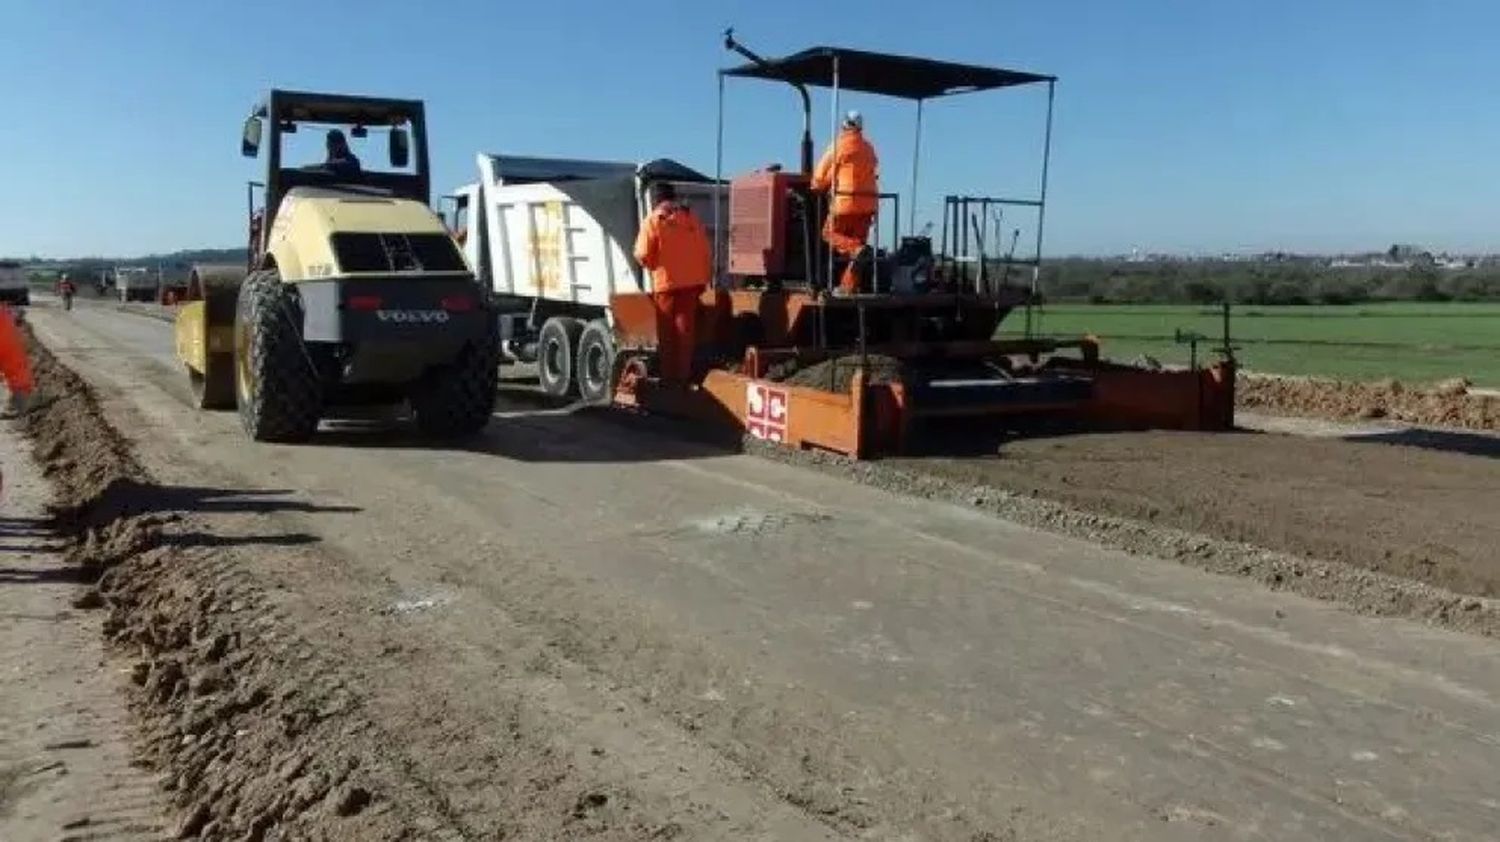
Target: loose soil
1445,404
66,754
1308,516
1415,513
241,728
836,374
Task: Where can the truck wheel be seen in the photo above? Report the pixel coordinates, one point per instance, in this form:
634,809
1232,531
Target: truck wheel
458,399
214,388
556,357
596,362
279,393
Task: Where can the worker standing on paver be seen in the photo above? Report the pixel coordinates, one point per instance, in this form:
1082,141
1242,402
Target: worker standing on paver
674,248
849,171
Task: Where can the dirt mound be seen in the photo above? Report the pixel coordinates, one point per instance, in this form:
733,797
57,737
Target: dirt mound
1447,404
252,737
88,462
835,375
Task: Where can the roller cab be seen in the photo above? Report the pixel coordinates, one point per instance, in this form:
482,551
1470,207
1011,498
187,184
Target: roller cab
355,294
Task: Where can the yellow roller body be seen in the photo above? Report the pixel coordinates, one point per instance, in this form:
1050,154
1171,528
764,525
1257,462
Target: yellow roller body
204,333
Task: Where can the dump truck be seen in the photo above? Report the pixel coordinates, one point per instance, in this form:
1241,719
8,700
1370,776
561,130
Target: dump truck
354,293
14,288
135,283
551,238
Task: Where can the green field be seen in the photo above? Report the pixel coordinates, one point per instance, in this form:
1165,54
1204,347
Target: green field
1412,342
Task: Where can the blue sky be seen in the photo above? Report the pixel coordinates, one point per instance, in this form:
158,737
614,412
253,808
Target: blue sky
1182,125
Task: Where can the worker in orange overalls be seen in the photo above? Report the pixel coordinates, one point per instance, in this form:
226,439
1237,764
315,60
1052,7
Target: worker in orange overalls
849,170
674,248
14,366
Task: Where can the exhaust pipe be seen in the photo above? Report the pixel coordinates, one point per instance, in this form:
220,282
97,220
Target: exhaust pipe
518,352
807,143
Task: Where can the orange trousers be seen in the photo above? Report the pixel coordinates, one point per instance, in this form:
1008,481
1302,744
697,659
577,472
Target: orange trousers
14,366
847,233
676,331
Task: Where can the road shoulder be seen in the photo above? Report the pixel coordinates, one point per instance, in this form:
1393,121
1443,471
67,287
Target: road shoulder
66,760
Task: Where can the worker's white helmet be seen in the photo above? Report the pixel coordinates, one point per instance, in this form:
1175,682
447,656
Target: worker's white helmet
854,120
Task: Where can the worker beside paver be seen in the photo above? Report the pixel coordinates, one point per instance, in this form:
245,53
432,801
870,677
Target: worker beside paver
14,366
849,170
673,247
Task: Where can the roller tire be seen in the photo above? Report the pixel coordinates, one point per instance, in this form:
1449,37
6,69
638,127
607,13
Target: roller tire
277,390
596,363
557,356
458,399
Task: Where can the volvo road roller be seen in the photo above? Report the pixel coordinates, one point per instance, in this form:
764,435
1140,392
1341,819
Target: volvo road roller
354,295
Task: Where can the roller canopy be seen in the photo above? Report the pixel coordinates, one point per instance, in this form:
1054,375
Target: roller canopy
885,74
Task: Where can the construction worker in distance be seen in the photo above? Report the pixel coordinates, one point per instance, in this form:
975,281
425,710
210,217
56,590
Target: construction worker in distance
66,289
849,172
673,247
14,366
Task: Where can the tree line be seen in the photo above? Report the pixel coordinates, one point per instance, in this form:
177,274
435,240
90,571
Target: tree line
1292,281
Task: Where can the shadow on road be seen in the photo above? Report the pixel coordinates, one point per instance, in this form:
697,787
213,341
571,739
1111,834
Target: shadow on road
133,517
529,426
207,499
981,438
571,434
24,526
212,541
1447,441
49,575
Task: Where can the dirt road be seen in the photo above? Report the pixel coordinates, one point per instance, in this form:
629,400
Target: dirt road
566,631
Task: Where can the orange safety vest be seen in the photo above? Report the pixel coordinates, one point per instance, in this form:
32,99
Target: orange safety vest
14,365
851,169
674,248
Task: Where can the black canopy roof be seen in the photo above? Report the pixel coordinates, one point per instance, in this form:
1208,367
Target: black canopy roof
881,73
304,106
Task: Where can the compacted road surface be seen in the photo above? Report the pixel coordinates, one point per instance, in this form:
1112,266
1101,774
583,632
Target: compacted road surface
730,647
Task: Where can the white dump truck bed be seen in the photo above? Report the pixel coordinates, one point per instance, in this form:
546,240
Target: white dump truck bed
135,283
553,238
562,230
